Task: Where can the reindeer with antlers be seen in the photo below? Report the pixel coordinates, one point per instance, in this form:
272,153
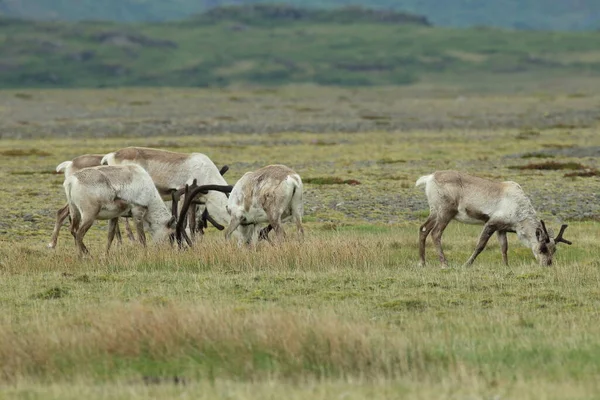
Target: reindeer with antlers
501,206
171,171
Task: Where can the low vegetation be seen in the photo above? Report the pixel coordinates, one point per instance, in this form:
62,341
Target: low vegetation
346,313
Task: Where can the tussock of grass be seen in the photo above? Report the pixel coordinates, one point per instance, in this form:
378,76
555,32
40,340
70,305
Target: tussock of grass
24,96
586,173
551,165
53,293
330,180
321,142
527,135
374,117
537,155
43,172
390,161
24,153
568,126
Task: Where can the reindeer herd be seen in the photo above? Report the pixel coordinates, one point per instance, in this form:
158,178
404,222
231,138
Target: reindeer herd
136,182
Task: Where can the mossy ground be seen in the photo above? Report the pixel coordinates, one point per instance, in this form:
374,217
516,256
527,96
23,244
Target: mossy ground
346,313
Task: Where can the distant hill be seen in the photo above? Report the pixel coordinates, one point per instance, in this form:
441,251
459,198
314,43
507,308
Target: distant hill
521,14
278,45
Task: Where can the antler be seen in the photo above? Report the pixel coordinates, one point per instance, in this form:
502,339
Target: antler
174,201
205,217
545,231
178,233
559,238
190,194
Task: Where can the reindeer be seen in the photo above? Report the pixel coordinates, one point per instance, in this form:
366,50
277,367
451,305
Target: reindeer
69,168
172,171
501,206
273,195
108,192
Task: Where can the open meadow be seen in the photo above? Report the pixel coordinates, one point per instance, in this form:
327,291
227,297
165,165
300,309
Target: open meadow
347,313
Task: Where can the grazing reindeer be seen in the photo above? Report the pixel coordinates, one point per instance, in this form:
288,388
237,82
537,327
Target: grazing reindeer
273,195
501,206
70,167
172,171
108,192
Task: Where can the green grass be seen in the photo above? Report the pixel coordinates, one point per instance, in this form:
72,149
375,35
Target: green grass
346,313
337,307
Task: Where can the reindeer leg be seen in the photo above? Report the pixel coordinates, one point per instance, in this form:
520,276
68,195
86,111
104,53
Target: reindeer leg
128,230
248,232
503,246
61,215
436,234
275,222
117,233
113,227
138,217
86,224
75,222
486,234
424,231
297,216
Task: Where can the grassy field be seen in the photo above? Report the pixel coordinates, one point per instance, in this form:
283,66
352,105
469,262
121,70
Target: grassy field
345,314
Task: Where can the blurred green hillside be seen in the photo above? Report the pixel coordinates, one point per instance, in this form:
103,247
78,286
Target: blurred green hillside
522,14
276,45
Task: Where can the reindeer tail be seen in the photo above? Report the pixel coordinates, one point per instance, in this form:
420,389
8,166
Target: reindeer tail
422,181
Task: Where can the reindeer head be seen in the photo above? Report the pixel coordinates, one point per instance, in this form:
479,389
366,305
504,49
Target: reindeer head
545,247
164,231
